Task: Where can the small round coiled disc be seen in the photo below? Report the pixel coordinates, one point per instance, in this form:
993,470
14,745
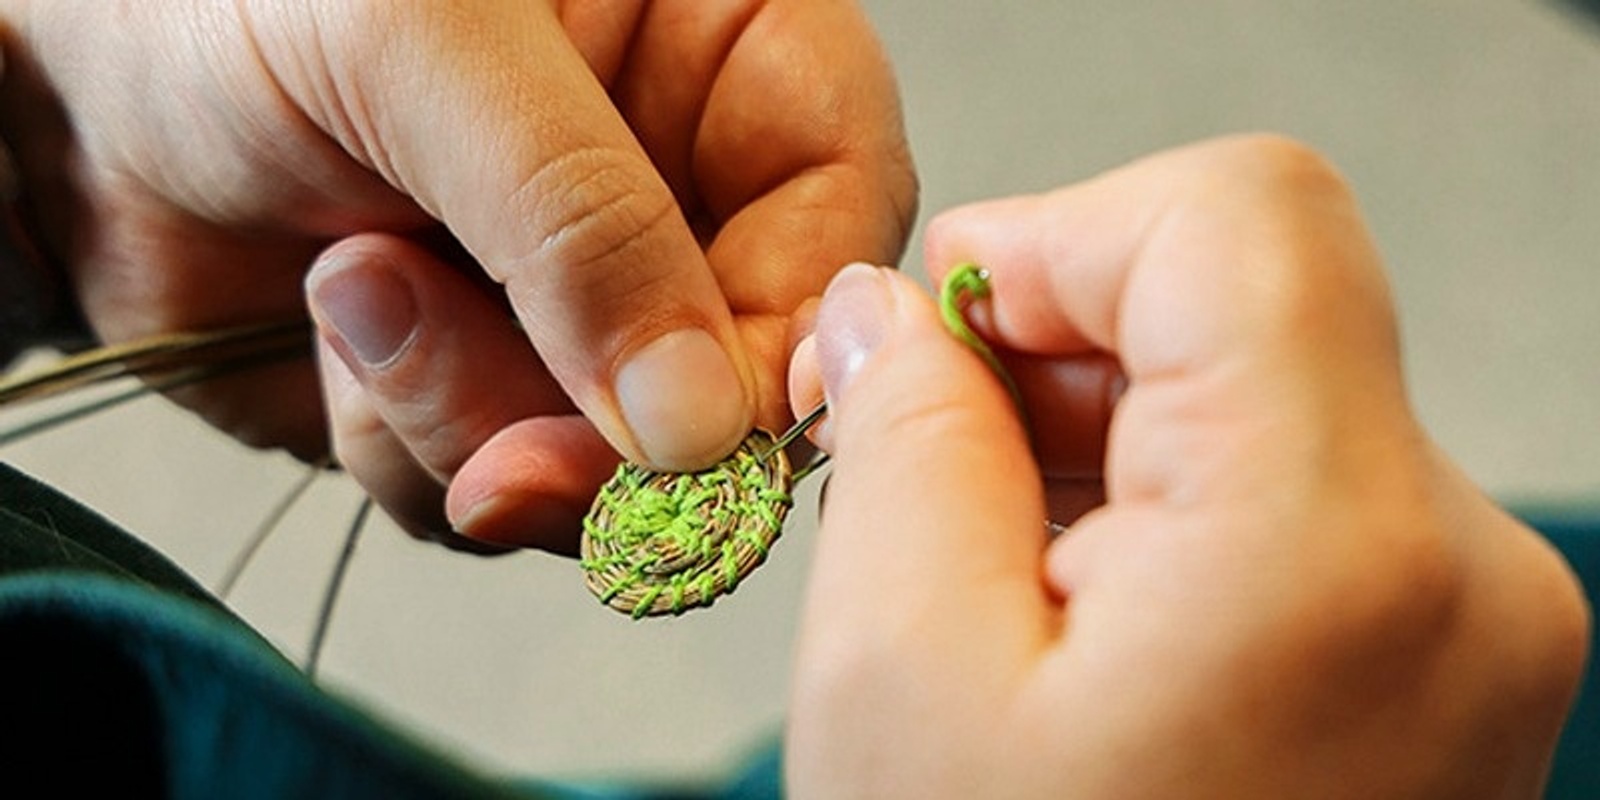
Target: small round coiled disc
663,543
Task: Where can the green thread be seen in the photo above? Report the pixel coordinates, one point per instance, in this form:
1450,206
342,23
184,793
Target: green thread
965,284
659,543
663,543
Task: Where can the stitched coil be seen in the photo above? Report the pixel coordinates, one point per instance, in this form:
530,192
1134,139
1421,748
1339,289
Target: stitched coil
658,543
663,543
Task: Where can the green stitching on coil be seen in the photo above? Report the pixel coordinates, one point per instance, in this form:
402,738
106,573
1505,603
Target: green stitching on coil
662,543
659,543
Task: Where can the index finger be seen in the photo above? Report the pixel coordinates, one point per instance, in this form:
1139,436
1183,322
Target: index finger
1234,284
1238,247
491,118
782,135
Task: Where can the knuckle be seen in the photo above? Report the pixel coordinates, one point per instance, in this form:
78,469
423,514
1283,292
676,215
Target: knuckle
353,424
1313,273
593,205
1567,620
1417,587
903,190
377,21
911,396
934,417
909,419
1281,161
1394,610
940,234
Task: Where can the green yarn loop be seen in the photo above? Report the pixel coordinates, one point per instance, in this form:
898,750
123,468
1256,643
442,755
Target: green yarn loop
965,284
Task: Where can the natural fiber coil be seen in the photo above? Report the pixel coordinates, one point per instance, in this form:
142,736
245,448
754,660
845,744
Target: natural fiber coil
662,543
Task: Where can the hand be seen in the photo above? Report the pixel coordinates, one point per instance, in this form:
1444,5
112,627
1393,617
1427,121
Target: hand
1280,587
656,188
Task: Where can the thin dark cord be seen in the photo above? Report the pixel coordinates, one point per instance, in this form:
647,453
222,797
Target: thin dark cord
170,361
34,427
796,430
331,595
154,355
817,462
258,537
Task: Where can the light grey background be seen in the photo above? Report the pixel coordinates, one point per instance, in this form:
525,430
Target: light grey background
1469,128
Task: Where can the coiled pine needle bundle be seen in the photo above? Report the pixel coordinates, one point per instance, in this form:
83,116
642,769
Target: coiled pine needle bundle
663,542
162,362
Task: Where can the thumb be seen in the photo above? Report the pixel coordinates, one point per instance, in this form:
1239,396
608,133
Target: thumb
494,122
935,510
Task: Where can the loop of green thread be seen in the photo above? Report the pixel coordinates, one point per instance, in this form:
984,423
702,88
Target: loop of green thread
965,283
663,543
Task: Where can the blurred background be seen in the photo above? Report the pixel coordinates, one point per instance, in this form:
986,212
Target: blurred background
1470,130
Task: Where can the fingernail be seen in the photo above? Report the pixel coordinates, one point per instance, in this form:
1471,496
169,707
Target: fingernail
852,323
805,378
683,400
368,306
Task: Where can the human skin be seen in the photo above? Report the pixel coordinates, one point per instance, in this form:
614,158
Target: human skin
540,235
1273,584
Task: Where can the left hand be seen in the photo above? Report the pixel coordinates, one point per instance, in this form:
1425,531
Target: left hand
626,170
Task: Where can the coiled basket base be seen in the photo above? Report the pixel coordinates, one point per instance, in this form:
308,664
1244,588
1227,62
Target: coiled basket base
658,543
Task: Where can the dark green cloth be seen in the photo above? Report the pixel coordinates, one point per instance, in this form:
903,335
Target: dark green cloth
122,677
1588,7
1576,532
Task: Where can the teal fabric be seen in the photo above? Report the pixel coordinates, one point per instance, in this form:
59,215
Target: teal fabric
120,676
194,708
1575,530
1588,7
46,530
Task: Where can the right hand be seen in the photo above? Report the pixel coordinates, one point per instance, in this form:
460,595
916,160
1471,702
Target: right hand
1281,587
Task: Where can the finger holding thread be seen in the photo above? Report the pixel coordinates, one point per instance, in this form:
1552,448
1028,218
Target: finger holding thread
1064,400
966,283
915,507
